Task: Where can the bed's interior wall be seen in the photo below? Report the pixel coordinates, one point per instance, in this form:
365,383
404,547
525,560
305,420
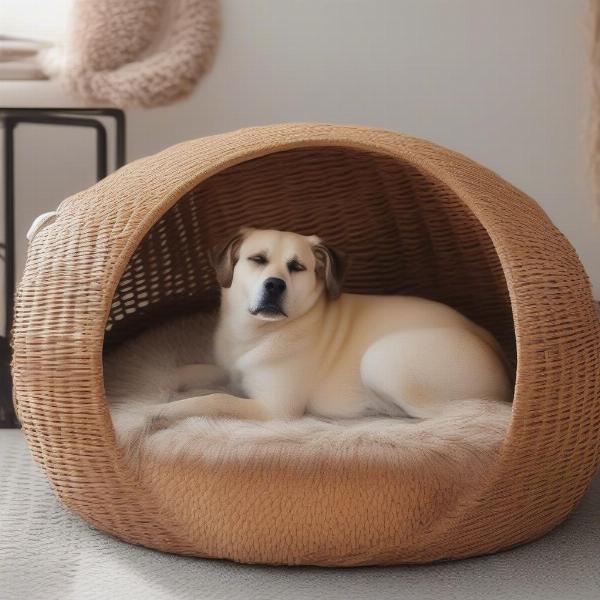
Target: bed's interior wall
404,232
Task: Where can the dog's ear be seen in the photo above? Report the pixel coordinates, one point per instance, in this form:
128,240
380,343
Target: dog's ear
331,266
224,256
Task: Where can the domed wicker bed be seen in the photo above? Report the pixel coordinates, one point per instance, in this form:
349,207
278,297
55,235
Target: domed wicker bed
416,219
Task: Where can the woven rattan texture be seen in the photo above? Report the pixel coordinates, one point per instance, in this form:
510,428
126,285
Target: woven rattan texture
405,233
416,218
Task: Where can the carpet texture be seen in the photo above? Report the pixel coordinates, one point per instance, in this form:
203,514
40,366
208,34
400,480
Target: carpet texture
47,553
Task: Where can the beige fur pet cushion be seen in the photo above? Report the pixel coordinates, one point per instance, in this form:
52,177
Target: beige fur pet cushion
459,445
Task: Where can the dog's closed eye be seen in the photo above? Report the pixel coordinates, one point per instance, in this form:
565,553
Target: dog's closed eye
259,259
294,266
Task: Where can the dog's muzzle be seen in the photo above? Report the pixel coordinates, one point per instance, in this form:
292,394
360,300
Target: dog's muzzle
269,304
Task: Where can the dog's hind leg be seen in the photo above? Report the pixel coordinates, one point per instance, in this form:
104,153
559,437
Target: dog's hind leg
421,371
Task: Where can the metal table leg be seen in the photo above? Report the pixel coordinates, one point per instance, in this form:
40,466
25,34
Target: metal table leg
11,118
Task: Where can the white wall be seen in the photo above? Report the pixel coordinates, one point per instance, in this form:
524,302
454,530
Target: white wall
502,82
36,19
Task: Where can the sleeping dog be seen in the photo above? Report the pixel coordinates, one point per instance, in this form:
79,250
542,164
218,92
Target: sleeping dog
291,343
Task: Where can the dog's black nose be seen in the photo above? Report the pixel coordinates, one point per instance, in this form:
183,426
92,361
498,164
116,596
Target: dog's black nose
274,286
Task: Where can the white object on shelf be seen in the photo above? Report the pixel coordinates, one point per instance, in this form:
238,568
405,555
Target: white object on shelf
12,49
19,58
20,70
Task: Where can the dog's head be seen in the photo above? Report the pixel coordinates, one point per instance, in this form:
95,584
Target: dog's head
276,275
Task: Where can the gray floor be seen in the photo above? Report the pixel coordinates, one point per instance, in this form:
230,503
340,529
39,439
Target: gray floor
47,553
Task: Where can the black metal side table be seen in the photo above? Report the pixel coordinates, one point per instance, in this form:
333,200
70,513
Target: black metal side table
10,118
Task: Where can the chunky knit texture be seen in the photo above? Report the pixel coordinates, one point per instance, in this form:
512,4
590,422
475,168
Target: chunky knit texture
135,52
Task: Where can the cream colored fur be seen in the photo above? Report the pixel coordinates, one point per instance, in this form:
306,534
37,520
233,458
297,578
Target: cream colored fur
141,374
290,343
344,359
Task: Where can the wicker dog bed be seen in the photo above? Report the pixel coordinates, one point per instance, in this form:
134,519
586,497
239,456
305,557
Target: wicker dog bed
417,219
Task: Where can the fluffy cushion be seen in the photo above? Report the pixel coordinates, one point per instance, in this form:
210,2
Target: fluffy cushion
459,444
